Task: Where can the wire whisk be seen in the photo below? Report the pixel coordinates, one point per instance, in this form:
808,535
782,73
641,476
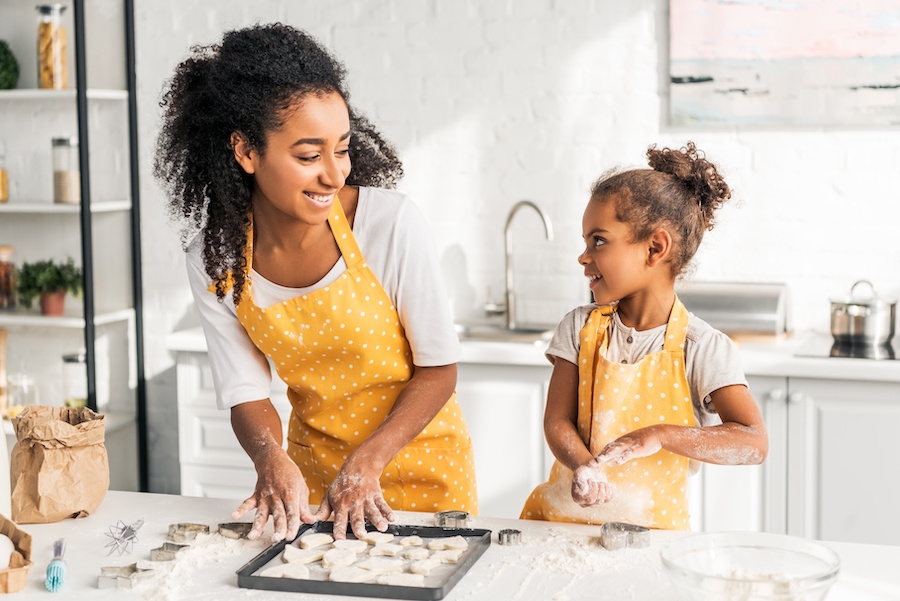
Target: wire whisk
123,536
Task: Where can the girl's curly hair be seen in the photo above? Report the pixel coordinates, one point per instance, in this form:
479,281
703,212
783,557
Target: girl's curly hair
680,193
244,84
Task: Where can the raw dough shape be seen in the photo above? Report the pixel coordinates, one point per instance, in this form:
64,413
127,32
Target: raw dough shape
351,544
389,549
448,555
350,574
401,579
451,542
378,538
335,558
411,541
316,539
286,570
416,553
292,554
424,566
381,565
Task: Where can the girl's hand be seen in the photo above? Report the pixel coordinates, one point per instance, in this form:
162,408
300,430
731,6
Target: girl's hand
353,497
590,486
640,443
280,492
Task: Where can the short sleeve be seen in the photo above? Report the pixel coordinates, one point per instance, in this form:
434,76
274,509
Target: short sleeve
566,341
240,371
713,362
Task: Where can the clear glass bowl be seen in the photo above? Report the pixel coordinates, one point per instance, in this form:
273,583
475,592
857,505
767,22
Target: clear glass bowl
749,566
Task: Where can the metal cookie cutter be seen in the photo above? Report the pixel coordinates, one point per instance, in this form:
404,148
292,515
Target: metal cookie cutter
235,529
122,576
185,533
618,535
451,519
167,551
509,537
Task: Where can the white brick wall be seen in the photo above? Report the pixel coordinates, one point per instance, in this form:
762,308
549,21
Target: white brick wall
492,101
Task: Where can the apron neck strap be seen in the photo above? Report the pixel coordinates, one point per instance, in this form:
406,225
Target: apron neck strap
343,234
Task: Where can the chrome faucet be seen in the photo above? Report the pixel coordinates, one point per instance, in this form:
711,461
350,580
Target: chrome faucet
509,310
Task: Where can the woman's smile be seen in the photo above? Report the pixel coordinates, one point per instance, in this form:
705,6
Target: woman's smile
320,199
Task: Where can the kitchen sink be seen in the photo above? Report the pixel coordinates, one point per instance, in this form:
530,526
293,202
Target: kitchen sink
494,332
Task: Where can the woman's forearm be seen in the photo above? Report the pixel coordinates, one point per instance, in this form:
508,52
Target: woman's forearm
423,397
257,427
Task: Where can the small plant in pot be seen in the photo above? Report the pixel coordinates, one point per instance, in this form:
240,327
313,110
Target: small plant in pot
49,282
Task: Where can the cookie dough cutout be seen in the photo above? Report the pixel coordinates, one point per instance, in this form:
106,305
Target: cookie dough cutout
451,542
316,539
286,570
378,538
416,553
411,541
351,544
336,558
448,555
401,579
388,549
292,554
381,565
350,574
424,566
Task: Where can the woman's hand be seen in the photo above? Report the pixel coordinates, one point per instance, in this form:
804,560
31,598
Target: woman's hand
640,443
354,497
590,486
280,492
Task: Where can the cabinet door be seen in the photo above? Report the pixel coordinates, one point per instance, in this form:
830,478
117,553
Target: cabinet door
842,483
504,407
750,497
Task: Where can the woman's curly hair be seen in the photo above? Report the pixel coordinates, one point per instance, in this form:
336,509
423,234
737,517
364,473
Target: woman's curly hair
244,84
680,193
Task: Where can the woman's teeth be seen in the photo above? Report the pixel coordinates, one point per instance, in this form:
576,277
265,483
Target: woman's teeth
320,198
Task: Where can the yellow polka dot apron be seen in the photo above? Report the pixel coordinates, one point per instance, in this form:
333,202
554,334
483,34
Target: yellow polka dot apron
345,358
614,399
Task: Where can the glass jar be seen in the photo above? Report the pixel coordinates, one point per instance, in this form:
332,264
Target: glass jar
7,277
21,393
74,380
4,177
51,48
66,175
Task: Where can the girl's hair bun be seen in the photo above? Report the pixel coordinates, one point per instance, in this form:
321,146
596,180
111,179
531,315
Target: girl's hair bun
703,180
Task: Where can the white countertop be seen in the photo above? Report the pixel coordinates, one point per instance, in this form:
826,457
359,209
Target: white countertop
555,561
775,358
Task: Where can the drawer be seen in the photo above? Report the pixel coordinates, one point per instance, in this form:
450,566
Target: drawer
217,482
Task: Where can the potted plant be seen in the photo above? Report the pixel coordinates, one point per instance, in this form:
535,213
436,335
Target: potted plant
49,281
9,67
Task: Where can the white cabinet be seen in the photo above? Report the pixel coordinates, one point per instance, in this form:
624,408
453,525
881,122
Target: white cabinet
213,463
504,409
829,473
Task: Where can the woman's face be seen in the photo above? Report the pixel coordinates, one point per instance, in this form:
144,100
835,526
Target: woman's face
615,266
306,161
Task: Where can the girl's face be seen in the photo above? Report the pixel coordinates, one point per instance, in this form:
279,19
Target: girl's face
306,161
615,266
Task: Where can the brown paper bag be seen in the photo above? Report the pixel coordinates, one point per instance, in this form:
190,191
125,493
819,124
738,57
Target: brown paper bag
59,467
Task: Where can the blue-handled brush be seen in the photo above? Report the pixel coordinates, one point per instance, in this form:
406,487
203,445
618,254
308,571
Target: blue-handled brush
56,571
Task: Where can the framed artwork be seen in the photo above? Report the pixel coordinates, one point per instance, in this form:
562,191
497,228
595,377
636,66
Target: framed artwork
784,62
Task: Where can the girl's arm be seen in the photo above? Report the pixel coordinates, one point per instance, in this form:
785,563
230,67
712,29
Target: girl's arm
355,495
589,485
741,439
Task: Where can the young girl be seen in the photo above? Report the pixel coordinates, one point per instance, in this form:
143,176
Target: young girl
640,386
304,261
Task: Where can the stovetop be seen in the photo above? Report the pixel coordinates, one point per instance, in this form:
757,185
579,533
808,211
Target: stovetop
825,346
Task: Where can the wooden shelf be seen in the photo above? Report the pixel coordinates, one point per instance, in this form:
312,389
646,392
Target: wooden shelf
35,94
21,317
58,208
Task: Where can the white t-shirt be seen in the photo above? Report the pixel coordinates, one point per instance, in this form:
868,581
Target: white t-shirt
397,244
711,358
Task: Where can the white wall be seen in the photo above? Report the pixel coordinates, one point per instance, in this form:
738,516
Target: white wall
492,101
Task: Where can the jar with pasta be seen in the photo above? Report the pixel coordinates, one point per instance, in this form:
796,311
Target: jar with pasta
51,48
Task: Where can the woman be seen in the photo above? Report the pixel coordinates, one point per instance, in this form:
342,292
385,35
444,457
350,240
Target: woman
302,263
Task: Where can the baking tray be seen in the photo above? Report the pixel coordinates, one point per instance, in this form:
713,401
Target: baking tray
437,584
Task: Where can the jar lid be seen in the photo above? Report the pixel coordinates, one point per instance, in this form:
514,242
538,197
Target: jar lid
49,9
6,252
66,141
